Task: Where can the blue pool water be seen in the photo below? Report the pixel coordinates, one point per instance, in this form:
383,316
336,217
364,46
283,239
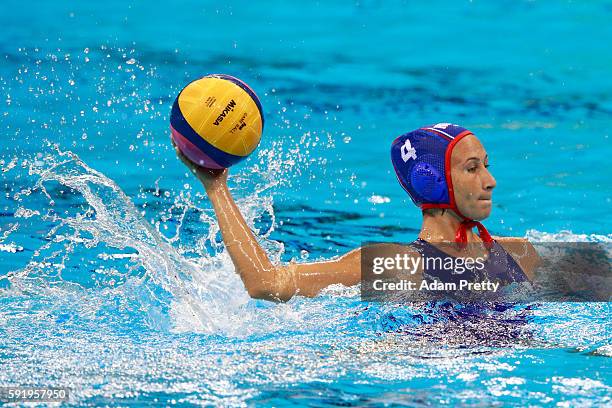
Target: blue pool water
113,278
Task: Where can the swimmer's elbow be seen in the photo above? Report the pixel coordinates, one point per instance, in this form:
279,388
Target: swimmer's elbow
273,289
257,292
264,293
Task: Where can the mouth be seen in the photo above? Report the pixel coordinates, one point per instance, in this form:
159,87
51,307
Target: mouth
485,200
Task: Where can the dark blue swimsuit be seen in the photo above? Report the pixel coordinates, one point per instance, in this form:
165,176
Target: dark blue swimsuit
480,323
500,266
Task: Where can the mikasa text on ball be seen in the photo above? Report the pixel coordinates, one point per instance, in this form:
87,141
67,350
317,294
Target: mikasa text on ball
216,121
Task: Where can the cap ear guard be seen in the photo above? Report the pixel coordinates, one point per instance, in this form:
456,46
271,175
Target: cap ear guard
420,167
428,183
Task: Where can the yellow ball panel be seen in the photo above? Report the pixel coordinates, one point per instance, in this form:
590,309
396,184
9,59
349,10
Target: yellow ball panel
223,114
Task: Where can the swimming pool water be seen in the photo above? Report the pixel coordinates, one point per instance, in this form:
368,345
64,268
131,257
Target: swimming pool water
113,276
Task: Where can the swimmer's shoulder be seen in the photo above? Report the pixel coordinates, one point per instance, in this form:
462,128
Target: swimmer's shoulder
523,253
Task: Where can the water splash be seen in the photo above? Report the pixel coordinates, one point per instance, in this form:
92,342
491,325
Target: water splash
200,294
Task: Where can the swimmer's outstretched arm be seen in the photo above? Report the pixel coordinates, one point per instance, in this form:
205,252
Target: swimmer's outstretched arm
262,279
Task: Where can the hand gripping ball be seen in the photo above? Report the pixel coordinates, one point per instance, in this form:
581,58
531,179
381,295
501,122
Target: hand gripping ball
216,121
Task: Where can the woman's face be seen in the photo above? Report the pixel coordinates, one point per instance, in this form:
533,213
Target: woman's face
473,184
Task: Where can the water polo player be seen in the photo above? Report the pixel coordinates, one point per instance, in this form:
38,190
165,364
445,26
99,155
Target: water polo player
444,170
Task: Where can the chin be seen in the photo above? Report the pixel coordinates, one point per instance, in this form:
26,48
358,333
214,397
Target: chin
483,215
478,211
479,215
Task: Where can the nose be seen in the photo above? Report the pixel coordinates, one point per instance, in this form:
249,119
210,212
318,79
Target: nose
489,181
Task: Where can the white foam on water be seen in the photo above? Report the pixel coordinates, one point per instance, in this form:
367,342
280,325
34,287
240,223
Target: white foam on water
565,236
176,283
206,295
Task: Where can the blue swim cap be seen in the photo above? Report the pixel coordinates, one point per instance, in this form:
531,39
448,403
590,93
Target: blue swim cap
421,160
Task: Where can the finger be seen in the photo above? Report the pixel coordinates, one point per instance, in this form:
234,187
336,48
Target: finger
188,163
176,148
180,154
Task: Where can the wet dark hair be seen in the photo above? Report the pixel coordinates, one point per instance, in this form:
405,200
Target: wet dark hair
434,211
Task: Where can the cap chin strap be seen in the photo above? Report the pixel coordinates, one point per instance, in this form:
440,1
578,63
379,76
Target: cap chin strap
465,225
461,234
